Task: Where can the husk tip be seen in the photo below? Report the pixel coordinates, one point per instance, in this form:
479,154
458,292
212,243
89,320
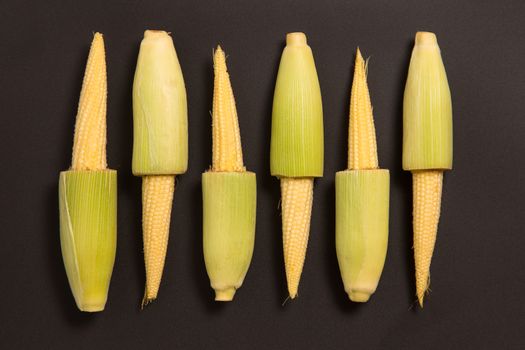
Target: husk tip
359,296
296,39
224,294
152,33
92,307
425,38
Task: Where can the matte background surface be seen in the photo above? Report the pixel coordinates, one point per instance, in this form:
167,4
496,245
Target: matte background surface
478,278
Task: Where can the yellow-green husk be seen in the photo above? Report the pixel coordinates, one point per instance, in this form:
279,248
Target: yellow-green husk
297,141
229,207
88,233
160,122
362,205
427,109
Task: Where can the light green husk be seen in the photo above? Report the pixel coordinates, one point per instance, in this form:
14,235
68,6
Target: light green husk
427,109
297,118
160,122
362,203
229,204
88,233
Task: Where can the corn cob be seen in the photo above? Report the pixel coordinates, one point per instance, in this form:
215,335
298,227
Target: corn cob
296,202
362,198
88,194
296,154
160,147
229,194
157,198
427,147
89,143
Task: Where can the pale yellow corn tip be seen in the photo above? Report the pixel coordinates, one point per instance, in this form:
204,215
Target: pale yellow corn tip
89,145
296,201
427,187
157,197
362,148
227,151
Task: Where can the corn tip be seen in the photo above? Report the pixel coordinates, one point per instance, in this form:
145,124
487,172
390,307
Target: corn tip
358,54
296,197
227,150
89,143
146,301
362,146
420,291
420,300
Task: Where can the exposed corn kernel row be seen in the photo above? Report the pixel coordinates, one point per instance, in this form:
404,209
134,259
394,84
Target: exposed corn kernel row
296,201
362,147
89,145
427,185
157,197
227,151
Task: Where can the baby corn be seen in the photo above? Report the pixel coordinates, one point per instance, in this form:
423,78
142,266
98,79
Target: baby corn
88,194
229,194
296,154
362,199
427,147
160,145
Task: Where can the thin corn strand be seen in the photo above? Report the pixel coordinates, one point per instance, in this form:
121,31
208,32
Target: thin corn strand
296,200
427,186
157,198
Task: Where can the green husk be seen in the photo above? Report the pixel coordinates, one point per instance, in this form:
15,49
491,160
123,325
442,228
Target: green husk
362,204
160,122
427,109
88,233
229,204
297,118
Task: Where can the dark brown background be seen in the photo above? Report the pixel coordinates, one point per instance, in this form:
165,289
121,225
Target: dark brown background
478,278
